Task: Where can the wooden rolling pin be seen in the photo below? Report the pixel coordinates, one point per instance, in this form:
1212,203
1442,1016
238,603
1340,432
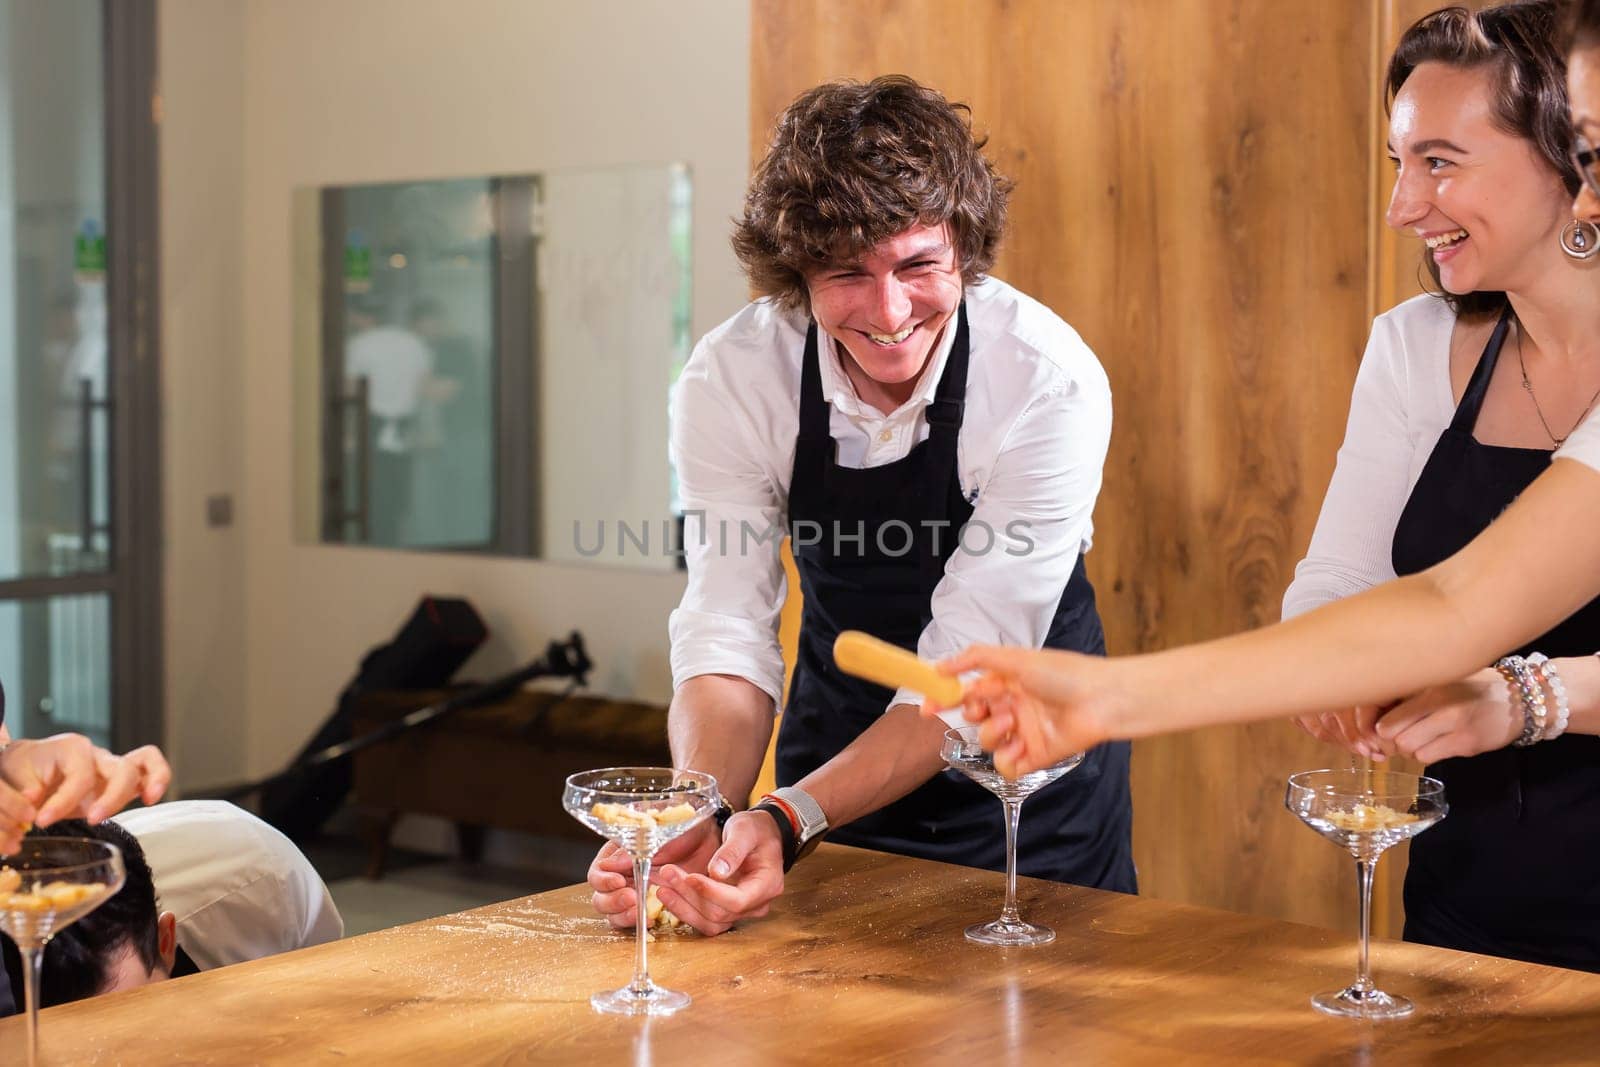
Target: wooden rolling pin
865,656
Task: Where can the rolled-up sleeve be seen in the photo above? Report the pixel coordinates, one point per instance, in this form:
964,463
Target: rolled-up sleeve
1032,519
727,622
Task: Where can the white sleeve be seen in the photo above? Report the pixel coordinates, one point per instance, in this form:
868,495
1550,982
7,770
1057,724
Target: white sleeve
1352,543
1583,444
1038,505
727,622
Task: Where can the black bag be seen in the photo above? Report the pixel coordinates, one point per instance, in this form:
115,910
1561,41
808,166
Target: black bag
427,651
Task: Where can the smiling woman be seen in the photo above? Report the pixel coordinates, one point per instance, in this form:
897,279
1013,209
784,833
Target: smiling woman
1444,434
1446,479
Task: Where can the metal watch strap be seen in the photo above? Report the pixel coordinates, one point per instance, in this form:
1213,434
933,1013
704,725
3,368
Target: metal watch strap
813,820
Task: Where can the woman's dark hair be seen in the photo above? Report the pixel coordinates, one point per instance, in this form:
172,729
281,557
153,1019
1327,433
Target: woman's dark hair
1520,44
853,164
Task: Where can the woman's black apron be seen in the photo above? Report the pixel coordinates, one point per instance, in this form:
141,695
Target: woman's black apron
1514,869
871,545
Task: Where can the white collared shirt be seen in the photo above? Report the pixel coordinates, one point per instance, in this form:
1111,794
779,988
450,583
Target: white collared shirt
1029,456
239,889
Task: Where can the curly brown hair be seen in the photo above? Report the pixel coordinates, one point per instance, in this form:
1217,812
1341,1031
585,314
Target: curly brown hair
852,164
1521,42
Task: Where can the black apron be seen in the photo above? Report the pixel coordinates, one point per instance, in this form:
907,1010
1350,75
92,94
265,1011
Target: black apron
871,545
1514,869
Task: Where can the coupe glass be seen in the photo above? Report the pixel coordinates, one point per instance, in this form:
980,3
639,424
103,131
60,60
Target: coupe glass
1365,812
963,753
641,809
46,886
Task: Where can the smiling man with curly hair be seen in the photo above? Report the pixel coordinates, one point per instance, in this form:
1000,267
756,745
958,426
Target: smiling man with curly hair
932,440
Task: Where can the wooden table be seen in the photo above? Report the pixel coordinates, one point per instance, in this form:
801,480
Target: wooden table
863,963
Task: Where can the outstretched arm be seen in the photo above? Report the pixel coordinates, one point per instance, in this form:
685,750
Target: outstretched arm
1532,567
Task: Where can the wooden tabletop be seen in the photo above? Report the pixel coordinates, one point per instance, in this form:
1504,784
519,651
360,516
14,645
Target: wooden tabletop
864,963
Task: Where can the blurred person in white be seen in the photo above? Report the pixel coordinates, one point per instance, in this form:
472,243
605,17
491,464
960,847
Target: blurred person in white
396,363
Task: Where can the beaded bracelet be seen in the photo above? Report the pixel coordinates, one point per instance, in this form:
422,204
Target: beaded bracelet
1517,675
1558,689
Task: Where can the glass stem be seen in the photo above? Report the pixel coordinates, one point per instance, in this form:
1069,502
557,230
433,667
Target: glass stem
641,883
1013,817
1364,870
32,975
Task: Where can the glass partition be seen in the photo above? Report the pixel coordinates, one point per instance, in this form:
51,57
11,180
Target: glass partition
483,364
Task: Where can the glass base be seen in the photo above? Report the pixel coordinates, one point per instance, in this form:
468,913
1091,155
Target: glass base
1010,932
652,1000
1353,1003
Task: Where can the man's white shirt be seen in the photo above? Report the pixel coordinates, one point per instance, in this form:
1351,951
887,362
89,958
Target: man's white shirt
239,889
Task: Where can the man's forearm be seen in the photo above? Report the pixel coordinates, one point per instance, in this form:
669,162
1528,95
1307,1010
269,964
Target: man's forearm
891,758
721,724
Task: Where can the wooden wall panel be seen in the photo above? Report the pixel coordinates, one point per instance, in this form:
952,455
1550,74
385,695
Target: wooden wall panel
1200,188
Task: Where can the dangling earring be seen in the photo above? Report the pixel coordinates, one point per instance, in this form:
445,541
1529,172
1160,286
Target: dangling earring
1580,240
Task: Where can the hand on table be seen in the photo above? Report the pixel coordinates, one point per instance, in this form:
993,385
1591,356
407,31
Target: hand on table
1353,729
706,881
1462,718
67,776
1032,708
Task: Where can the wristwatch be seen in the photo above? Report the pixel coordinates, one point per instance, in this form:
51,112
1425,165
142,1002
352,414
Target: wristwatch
807,822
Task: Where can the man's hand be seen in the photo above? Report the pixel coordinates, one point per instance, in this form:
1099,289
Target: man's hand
1459,719
67,776
709,883
611,873
742,878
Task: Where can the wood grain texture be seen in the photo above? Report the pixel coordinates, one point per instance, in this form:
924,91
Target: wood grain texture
1193,196
863,963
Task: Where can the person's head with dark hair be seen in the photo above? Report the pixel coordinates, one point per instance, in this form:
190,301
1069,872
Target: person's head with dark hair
124,943
853,164
873,209
1479,126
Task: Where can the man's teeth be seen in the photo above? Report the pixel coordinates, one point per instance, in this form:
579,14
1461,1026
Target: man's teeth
891,338
1444,240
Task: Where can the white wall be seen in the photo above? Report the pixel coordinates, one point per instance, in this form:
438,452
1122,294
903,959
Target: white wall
200,52
336,91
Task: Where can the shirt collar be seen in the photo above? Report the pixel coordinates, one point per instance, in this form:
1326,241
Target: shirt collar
838,390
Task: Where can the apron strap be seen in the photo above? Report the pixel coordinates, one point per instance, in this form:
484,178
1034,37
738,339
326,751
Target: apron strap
945,415
813,408
1466,416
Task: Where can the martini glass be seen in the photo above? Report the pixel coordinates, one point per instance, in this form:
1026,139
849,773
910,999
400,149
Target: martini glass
1365,812
45,886
641,809
964,753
